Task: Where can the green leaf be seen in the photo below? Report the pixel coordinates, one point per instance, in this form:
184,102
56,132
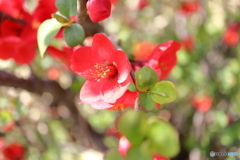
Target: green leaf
113,154
74,34
146,78
163,137
136,153
132,125
163,92
67,7
146,101
46,32
59,18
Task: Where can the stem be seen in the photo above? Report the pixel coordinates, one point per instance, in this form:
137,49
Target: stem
136,105
82,12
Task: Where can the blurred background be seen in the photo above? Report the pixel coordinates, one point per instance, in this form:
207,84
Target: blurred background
39,103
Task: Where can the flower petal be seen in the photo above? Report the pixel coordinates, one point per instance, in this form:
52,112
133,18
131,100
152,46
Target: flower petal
82,60
90,93
123,66
164,56
111,91
102,47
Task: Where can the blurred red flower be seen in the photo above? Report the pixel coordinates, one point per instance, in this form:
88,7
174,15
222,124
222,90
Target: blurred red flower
190,7
159,157
142,50
14,151
123,146
99,9
188,43
163,58
202,103
8,126
231,36
107,70
142,4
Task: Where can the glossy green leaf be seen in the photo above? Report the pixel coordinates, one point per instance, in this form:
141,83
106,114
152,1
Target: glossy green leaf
135,153
59,18
146,101
67,7
46,32
146,78
163,92
74,34
113,154
163,137
132,124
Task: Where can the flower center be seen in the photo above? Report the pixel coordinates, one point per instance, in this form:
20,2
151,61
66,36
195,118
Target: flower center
103,71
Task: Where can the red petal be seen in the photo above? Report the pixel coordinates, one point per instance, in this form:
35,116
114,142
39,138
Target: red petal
111,91
9,47
82,60
120,59
164,57
90,93
159,157
26,53
123,146
99,9
102,46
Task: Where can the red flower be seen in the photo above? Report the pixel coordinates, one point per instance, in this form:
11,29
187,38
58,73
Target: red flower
107,70
230,37
44,10
163,58
14,152
159,157
142,4
189,7
188,43
114,1
202,103
142,50
99,9
8,126
123,146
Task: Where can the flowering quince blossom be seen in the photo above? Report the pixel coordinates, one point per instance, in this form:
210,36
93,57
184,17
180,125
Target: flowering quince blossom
163,58
142,4
230,36
202,103
18,30
123,146
159,157
99,9
187,8
14,151
107,71
142,50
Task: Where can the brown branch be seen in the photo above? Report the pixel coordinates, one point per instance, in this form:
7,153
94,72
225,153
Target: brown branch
82,11
60,95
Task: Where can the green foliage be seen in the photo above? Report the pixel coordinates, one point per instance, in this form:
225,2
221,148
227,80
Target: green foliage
146,78
163,92
59,18
146,101
132,124
113,154
137,153
46,32
67,8
74,34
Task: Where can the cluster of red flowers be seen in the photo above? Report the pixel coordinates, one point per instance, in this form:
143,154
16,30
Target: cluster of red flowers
18,29
108,71
14,151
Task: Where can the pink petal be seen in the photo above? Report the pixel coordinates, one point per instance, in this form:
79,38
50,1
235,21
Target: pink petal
102,47
111,91
90,93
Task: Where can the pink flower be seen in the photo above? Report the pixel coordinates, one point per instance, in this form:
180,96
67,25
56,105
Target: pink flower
123,146
107,70
99,9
